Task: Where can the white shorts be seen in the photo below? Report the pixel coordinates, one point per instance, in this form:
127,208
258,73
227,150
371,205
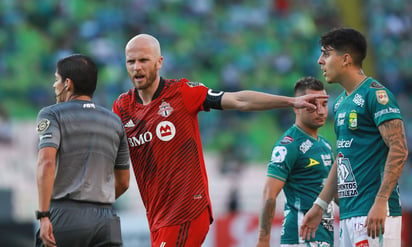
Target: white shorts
310,244
353,233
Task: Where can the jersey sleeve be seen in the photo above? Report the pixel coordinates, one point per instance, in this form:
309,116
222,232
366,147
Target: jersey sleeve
194,94
383,105
122,159
282,160
48,129
115,108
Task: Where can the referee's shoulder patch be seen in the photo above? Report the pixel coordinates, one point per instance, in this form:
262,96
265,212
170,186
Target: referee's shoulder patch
42,125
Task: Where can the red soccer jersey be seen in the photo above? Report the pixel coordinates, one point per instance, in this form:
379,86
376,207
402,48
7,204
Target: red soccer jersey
166,150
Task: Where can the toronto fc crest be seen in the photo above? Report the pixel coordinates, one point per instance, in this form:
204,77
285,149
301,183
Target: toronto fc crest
165,109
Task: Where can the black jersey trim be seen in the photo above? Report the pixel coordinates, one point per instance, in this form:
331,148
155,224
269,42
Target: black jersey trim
156,94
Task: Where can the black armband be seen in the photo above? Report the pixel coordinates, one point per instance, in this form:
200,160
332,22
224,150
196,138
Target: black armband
213,100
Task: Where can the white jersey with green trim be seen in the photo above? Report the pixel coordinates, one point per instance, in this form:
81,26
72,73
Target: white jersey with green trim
303,163
361,150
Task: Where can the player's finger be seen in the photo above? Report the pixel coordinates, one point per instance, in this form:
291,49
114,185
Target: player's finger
382,228
372,229
303,232
310,107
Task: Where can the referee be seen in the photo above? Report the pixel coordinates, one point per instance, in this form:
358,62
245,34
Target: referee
83,162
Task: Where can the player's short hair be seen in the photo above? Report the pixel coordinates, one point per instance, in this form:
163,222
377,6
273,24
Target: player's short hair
81,70
346,40
305,83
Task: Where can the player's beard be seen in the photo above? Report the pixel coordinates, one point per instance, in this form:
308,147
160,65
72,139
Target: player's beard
149,79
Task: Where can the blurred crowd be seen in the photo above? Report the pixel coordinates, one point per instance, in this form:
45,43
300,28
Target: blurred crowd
264,45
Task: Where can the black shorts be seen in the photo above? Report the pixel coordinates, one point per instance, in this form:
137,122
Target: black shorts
82,224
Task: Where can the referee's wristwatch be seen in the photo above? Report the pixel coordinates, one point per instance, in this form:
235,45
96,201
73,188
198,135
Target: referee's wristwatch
42,214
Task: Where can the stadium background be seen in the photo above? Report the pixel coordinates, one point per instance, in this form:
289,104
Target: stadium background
264,45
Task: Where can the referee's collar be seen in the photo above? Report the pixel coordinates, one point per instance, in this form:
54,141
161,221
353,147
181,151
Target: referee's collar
156,94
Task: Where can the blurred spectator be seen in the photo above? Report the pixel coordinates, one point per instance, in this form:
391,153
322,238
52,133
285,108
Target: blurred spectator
5,126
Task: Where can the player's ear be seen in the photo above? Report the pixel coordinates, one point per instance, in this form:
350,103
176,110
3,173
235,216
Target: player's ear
347,59
68,83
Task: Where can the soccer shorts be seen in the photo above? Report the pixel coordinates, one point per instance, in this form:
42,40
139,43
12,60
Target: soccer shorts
309,244
79,224
354,233
188,234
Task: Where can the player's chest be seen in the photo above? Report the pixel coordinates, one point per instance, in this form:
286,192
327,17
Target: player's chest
351,114
161,121
317,158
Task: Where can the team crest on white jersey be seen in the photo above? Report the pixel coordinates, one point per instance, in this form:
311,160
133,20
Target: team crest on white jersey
165,109
165,131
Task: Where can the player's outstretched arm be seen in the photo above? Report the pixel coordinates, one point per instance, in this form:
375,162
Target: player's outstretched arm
267,214
393,134
257,101
313,217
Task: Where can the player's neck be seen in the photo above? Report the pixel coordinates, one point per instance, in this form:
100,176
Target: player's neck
80,97
146,95
309,131
352,81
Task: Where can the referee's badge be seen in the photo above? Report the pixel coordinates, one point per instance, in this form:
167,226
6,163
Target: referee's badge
382,97
42,125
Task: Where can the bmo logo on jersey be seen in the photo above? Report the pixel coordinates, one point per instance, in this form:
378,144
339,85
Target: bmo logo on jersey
165,131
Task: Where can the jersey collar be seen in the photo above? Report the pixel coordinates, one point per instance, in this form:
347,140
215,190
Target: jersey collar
156,94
